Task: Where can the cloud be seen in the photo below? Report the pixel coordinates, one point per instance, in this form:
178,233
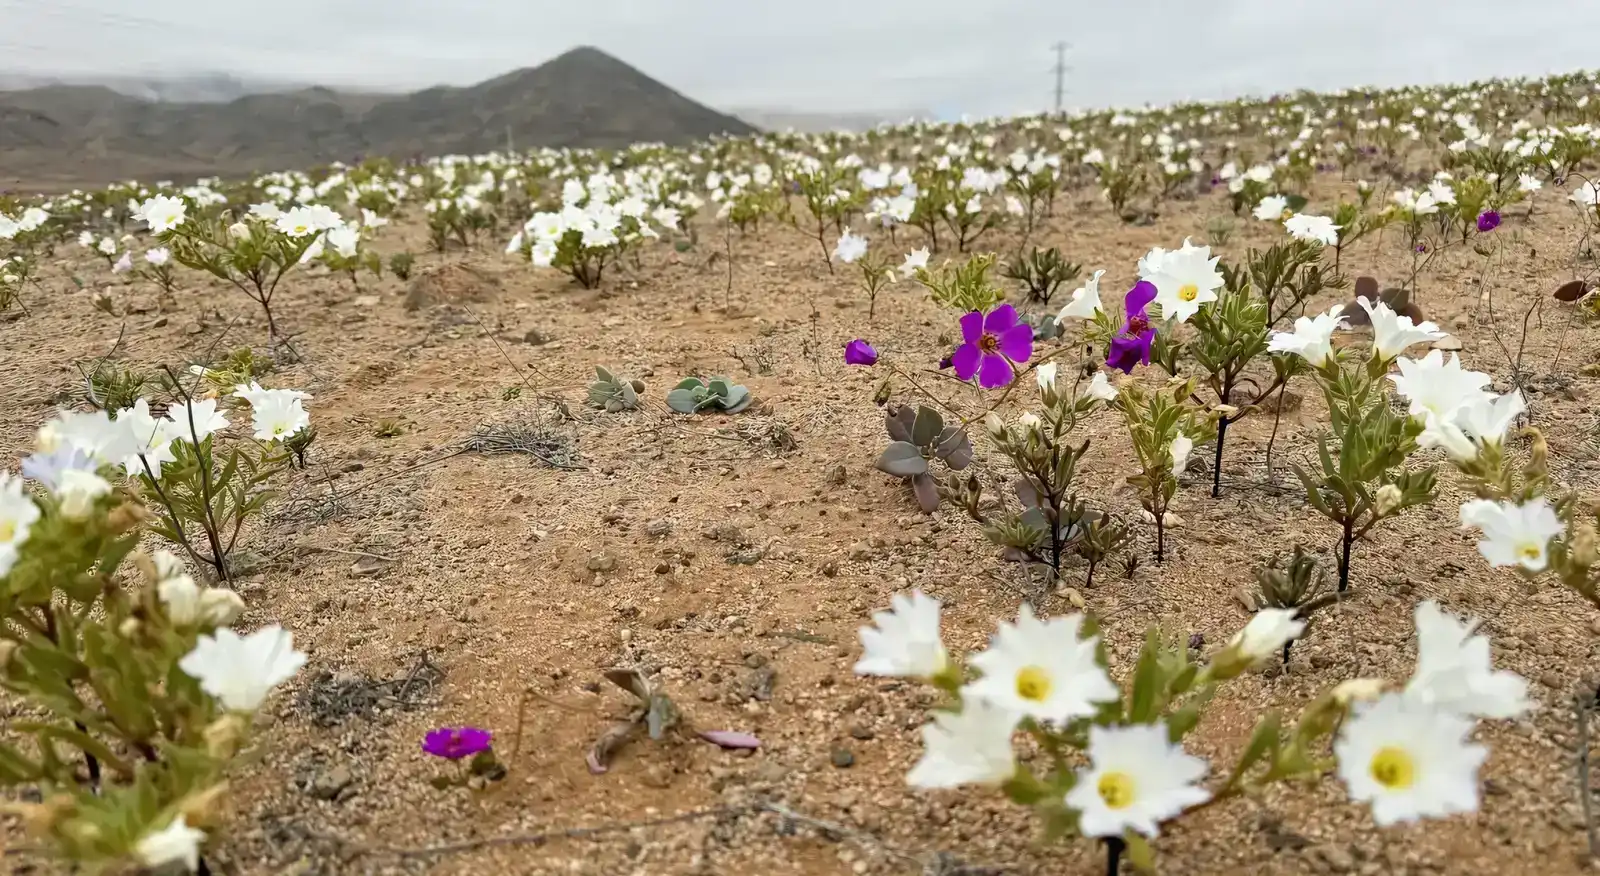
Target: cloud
826,55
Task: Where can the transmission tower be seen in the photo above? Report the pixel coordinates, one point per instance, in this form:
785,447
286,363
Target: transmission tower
1060,71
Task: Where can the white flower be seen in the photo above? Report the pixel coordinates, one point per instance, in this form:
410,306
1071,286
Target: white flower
1085,301
905,642
370,219
1454,673
173,844
1045,374
266,212
180,596
1392,333
1483,421
1266,634
1318,228
107,246
1150,263
1042,669
1409,760
17,516
1312,338
153,439
1527,182
1271,208
1514,535
1179,451
1136,779
344,240
917,258
298,222
193,421
1100,388
162,213
850,247
158,256
970,747
239,231
241,671
278,416
106,441
542,254
77,489
123,265
1186,279
1437,388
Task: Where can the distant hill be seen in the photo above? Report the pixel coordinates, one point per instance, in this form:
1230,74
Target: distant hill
583,98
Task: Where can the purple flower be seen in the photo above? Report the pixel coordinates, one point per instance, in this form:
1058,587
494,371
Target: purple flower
859,352
1422,247
1488,220
456,742
993,342
1132,346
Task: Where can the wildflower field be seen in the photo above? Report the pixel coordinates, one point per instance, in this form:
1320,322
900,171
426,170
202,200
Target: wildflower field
1207,489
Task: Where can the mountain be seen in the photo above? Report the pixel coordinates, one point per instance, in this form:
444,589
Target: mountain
192,88
77,134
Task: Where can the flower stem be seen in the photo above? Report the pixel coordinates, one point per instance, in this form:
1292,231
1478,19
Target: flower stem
1344,556
1216,466
1114,849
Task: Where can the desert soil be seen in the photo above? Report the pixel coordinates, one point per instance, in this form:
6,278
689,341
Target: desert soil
734,557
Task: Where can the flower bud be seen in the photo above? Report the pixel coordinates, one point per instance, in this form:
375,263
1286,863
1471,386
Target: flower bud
202,809
1028,421
129,628
995,425
1358,690
125,517
1389,498
224,735
181,598
1265,635
219,607
239,231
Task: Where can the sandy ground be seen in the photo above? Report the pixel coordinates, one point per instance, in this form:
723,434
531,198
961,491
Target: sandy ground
734,558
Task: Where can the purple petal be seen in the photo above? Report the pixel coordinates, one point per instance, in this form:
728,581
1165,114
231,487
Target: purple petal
1139,297
859,352
995,373
1000,319
966,360
730,739
1127,352
972,326
1017,343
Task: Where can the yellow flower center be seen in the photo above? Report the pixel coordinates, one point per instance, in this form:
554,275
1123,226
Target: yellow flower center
1531,552
1117,789
1394,768
1188,291
8,530
1033,684
301,229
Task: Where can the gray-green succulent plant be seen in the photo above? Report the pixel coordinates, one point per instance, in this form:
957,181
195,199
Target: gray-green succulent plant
693,395
612,393
920,435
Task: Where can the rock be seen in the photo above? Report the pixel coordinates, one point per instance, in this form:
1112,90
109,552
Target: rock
861,731
140,304
368,566
159,322
1335,859
861,551
836,476
842,758
1448,342
659,528
193,328
602,562
366,300
329,784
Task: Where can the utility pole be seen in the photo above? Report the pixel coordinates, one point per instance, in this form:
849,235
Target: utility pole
1061,71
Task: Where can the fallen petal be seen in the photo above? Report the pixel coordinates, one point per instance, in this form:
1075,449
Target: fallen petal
730,738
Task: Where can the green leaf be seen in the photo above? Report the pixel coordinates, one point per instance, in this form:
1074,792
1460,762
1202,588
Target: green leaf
1263,742
1139,853
683,401
1148,680
903,460
927,426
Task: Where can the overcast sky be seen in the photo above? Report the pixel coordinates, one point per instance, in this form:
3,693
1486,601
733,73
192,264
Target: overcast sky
947,56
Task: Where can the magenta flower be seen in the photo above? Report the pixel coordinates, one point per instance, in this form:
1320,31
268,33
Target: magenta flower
1488,220
1132,345
993,342
456,742
859,352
